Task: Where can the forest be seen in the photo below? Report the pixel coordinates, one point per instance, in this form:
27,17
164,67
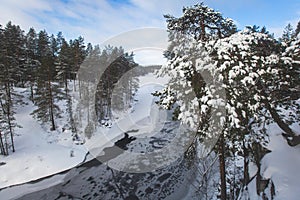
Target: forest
46,64
228,85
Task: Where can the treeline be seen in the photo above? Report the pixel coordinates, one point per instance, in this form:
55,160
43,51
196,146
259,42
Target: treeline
230,85
116,94
46,65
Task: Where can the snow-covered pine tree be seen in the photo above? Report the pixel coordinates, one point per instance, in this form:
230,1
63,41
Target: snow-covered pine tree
12,55
87,79
8,121
198,25
247,63
2,144
116,63
63,65
14,49
79,53
31,63
126,85
47,90
243,59
70,56
3,129
287,91
297,31
288,34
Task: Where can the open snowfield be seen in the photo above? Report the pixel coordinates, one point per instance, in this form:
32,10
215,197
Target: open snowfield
39,152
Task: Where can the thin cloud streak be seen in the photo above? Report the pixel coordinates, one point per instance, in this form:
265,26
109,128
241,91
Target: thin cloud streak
99,20
95,20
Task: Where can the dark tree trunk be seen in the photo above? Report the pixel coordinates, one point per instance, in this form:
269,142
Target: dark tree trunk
8,114
222,167
258,175
289,134
259,152
66,85
31,92
2,145
88,103
11,133
202,26
6,143
79,90
51,105
11,137
246,164
52,117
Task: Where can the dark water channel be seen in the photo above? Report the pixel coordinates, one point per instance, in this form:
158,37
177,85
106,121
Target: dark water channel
95,180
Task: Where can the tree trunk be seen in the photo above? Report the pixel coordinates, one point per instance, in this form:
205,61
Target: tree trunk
2,145
79,90
246,164
6,143
10,127
289,135
88,101
52,115
66,85
222,167
8,115
74,86
73,127
51,105
202,26
11,137
31,92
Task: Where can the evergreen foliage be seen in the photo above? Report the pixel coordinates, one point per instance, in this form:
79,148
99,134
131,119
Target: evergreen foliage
251,75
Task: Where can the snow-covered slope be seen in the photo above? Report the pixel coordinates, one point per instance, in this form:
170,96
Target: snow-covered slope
282,165
38,152
94,180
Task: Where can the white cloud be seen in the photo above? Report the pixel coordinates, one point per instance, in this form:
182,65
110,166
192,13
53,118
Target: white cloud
99,20
149,57
17,12
95,20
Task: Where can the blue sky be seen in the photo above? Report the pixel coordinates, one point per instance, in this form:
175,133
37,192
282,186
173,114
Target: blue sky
97,20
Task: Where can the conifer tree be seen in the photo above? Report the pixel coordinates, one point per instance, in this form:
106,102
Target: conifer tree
46,91
288,34
202,24
297,31
11,74
32,63
248,64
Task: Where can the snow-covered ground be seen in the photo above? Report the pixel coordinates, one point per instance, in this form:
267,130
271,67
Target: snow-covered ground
143,117
40,153
282,165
